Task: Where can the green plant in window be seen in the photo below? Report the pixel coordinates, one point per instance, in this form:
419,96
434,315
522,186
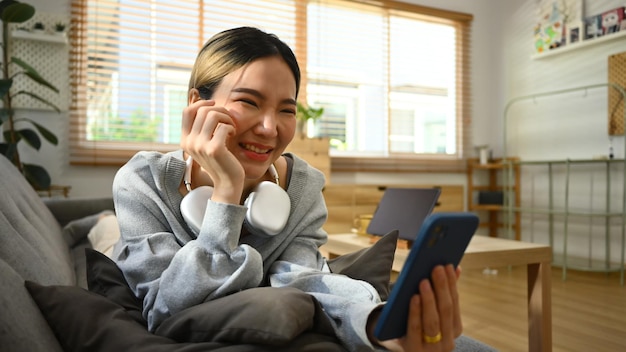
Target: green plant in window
304,114
16,130
145,129
137,128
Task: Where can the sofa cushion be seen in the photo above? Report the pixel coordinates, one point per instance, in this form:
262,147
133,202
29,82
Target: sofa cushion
105,278
105,234
78,235
237,318
30,237
22,327
262,315
372,264
77,230
80,262
86,321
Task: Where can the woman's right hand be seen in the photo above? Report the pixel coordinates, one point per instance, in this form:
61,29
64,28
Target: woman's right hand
434,320
206,129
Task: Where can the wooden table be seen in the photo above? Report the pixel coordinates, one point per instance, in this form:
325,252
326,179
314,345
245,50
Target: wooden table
489,252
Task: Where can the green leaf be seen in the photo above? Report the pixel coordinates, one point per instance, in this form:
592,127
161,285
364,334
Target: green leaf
47,135
32,73
31,138
37,97
7,136
17,12
305,113
8,150
4,115
5,85
37,176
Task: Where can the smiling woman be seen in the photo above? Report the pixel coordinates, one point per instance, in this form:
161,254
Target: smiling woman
230,212
385,102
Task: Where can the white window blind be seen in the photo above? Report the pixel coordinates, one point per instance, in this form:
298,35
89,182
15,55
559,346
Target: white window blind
130,65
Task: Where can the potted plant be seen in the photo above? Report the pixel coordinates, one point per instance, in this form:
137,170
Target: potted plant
38,27
59,27
18,129
304,113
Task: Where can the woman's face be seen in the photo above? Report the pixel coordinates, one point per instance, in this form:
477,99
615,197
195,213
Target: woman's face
261,97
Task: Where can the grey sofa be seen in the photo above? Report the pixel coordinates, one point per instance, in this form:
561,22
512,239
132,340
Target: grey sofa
32,247
56,294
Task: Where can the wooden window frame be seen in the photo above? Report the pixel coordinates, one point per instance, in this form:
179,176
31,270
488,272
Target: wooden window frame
83,152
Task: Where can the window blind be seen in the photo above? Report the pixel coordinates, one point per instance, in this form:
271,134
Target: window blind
130,64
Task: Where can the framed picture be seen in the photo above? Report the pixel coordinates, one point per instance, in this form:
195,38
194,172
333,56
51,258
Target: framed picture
574,34
554,20
611,20
593,27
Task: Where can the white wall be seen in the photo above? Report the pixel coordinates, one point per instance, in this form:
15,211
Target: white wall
570,115
565,126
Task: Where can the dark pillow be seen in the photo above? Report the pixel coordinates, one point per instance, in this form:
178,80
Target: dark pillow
262,315
105,278
237,318
242,317
372,264
85,321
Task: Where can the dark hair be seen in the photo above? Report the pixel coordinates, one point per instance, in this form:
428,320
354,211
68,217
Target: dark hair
231,49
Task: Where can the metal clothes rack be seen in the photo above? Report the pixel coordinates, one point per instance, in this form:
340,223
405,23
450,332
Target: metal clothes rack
509,207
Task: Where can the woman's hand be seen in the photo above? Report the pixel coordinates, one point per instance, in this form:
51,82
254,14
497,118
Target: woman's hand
434,315
205,132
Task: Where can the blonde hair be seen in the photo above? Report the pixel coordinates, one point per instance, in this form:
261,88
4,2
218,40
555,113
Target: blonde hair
231,49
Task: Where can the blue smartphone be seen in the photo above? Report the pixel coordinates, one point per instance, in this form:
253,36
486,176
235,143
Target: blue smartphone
441,240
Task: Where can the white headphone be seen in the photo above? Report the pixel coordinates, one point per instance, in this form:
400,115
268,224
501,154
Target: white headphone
268,204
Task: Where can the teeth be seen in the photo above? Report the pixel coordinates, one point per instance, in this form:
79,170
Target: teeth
255,149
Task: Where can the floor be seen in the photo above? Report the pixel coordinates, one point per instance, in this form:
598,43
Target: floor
588,309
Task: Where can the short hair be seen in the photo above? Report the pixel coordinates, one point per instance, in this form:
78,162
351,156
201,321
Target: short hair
233,48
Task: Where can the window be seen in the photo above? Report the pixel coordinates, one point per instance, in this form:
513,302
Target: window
388,74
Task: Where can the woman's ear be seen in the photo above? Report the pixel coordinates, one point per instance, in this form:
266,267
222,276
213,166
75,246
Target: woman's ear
193,96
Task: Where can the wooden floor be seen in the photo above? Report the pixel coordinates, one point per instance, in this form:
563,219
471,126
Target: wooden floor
588,310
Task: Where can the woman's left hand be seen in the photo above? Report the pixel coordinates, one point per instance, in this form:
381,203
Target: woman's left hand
434,315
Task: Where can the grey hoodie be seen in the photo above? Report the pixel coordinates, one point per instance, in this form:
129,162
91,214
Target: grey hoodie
172,269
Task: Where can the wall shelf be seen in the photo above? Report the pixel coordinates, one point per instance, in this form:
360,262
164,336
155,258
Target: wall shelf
40,37
580,45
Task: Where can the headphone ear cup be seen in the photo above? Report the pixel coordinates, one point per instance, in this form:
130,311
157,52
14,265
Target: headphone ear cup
193,206
269,207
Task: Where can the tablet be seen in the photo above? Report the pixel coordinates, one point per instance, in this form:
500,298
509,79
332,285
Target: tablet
441,240
403,209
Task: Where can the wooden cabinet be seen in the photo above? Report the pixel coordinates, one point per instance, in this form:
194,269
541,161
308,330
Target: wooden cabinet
314,151
486,194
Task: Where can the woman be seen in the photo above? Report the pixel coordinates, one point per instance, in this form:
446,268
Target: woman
239,120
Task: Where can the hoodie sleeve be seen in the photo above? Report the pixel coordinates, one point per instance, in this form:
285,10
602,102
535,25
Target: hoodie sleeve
163,264
348,302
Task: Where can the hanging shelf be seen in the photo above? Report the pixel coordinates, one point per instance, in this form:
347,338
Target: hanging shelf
580,45
40,37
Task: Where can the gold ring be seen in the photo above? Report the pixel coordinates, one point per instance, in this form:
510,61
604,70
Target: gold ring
432,339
